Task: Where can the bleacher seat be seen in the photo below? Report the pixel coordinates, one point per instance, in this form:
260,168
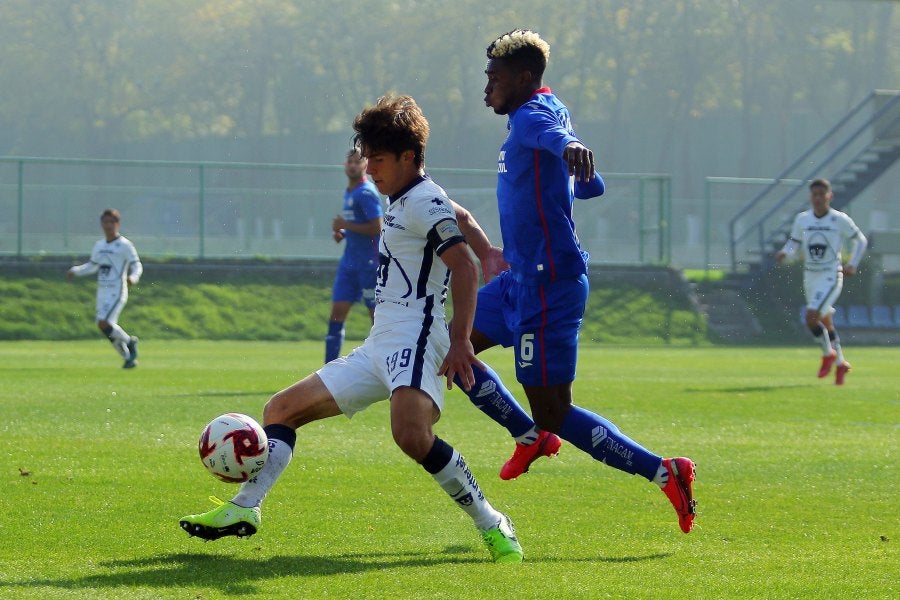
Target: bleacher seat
858,316
882,317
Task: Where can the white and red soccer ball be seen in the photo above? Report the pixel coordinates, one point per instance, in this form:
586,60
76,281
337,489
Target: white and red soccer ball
233,447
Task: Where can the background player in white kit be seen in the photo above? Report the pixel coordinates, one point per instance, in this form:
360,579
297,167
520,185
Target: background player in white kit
821,233
409,348
117,265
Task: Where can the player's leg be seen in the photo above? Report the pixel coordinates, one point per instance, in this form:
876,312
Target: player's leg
412,414
489,394
335,337
822,291
110,302
546,355
311,399
345,291
843,366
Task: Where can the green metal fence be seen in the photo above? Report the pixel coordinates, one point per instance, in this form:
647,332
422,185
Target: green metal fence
51,206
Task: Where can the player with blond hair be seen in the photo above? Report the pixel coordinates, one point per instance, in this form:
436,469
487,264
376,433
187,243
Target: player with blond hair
537,305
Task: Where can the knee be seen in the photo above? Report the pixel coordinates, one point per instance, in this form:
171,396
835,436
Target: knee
103,325
812,319
550,418
415,443
276,409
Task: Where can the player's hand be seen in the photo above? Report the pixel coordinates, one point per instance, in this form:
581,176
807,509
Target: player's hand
337,235
849,270
129,281
779,256
70,274
493,263
338,223
580,160
459,361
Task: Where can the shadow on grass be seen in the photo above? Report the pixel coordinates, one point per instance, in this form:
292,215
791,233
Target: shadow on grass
241,576
747,389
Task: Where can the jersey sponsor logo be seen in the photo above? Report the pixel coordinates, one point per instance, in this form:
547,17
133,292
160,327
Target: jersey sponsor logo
501,162
439,208
523,364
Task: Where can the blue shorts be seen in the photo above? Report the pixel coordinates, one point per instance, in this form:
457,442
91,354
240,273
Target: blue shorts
541,322
352,284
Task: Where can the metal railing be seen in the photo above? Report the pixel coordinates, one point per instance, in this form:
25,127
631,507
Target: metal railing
197,209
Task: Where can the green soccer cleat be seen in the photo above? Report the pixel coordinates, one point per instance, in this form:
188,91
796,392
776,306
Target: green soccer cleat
501,541
226,519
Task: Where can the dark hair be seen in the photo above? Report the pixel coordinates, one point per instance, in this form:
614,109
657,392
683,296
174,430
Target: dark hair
395,124
111,212
821,182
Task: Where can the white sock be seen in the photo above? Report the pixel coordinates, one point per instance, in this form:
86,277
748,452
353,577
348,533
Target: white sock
836,344
120,340
254,490
662,475
460,484
528,438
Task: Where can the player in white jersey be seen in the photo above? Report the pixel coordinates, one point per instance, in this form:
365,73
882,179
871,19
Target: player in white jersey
409,348
118,267
821,233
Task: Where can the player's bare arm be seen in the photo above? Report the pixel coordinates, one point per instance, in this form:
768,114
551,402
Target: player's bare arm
490,256
371,228
464,289
580,160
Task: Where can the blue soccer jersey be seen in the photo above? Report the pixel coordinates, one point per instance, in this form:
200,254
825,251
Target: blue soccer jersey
535,193
361,204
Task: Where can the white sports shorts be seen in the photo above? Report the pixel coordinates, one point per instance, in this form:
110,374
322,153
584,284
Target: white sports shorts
110,302
400,354
822,289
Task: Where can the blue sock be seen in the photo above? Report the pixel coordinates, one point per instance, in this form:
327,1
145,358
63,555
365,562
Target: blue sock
491,397
603,440
334,340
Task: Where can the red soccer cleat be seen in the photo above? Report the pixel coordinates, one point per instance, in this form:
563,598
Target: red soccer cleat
680,490
547,444
841,372
827,362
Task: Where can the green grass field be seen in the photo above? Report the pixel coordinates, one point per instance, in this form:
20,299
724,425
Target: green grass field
797,482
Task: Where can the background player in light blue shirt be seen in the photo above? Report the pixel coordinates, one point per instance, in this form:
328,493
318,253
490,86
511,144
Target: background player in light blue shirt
537,305
359,225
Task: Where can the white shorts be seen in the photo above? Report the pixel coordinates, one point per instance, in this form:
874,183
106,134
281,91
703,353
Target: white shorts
401,354
822,289
110,302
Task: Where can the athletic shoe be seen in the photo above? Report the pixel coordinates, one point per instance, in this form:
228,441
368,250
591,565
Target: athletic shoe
226,519
547,444
129,364
841,372
501,541
827,362
680,490
132,348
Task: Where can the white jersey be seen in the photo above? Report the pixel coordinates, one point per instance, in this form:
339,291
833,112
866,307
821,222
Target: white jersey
419,224
821,239
113,262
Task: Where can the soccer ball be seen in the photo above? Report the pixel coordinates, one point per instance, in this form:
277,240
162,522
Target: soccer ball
233,447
